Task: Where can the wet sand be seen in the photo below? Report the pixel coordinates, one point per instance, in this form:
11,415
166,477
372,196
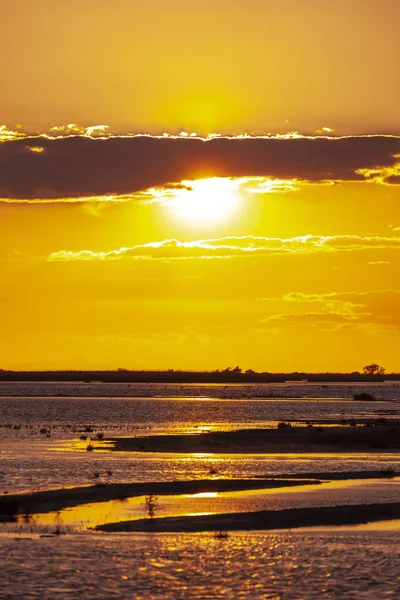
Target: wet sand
56,500
263,520
285,439
51,501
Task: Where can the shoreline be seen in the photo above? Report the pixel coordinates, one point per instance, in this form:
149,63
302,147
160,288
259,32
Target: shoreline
262,520
284,439
60,499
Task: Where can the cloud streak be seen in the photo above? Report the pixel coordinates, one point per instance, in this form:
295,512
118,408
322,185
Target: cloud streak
378,307
172,191
80,166
232,246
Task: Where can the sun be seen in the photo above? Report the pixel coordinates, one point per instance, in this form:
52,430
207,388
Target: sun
206,200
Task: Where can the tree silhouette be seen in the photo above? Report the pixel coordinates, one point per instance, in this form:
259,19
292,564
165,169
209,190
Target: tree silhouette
373,369
151,505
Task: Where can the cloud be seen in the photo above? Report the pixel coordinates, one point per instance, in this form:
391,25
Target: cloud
171,192
105,199
322,316
73,129
62,131
235,246
303,297
386,175
324,130
356,309
81,166
7,134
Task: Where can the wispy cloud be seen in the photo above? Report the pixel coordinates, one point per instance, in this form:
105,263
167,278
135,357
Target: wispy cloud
104,131
106,199
355,309
316,316
235,246
58,131
384,175
7,135
171,192
332,296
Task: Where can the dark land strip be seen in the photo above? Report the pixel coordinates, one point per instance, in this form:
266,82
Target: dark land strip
173,376
264,520
55,500
284,439
60,499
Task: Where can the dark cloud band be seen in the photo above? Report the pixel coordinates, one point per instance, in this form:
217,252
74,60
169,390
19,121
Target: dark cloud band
81,166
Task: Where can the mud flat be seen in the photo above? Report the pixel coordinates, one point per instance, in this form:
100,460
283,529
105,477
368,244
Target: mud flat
60,499
56,500
285,439
263,520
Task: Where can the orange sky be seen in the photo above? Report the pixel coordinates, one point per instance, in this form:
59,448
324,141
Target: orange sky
117,252
201,65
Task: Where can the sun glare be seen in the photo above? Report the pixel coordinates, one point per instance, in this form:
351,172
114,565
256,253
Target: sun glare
206,200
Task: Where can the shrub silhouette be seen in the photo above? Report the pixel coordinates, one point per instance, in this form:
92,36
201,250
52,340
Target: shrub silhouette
363,396
373,369
152,505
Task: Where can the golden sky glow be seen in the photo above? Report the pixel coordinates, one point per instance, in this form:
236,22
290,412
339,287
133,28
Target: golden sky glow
256,222
203,65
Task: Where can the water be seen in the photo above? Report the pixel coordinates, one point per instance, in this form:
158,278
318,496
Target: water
133,415
284,565
388,390
335,493
27,467
34,429
40,427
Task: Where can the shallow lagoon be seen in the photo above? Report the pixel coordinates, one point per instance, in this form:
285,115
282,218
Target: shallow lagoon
289,565
40,435
275,565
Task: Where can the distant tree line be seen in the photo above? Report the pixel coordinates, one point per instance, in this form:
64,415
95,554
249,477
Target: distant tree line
373,372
